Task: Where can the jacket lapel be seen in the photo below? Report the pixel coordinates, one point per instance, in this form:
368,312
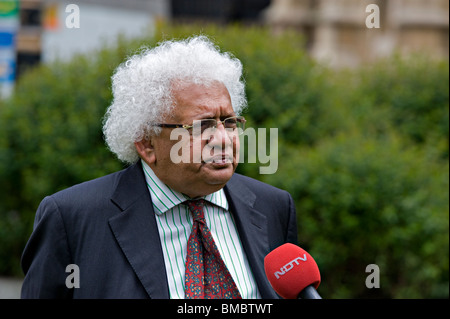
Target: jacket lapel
137,234
252,228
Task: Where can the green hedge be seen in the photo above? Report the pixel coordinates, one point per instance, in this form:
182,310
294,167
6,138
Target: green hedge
363,152
363,200
50,139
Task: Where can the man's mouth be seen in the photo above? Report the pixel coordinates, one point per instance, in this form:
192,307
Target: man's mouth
219,159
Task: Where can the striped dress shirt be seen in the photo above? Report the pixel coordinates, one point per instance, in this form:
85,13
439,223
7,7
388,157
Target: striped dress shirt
175,224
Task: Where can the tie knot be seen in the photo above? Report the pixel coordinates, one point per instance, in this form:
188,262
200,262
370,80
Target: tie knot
196,208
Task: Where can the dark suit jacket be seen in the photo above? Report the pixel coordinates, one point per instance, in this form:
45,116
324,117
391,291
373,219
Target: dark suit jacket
108,229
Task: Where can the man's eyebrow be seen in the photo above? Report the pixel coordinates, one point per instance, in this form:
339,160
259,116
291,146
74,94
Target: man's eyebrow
222,117
228,115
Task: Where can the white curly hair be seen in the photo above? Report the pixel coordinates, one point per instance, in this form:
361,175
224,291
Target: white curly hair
141,88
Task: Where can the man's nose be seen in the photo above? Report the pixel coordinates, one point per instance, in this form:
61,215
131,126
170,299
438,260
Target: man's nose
219,136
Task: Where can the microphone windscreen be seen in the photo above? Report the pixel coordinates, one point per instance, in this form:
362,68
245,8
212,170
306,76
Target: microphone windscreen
290,269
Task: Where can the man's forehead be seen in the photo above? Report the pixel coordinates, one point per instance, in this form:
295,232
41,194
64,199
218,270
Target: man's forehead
188,88
194,100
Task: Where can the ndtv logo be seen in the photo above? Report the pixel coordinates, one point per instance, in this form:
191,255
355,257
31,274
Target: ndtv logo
289,266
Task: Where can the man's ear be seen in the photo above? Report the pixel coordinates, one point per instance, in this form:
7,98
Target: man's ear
146,150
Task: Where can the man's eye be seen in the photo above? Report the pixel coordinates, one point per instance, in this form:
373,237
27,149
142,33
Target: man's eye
206,125
231,123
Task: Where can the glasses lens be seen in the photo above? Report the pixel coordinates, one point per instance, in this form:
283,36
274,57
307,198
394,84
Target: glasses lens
200,126
232,124
235,123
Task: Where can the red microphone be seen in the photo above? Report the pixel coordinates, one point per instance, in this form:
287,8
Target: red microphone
292,272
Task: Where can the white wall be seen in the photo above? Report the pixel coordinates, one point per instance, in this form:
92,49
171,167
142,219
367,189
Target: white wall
99,25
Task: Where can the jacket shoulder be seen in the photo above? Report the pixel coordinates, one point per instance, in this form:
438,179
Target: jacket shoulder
99,187
256,185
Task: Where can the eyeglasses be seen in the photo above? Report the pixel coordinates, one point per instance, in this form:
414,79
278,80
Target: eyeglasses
200,126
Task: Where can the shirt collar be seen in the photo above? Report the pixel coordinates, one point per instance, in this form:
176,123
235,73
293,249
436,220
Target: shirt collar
165,198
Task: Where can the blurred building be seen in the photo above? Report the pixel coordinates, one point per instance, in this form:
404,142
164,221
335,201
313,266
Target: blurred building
28,41
336,31
35,31
9,26
218,11
100,23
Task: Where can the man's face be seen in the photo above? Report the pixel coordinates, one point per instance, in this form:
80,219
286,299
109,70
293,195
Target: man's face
219,150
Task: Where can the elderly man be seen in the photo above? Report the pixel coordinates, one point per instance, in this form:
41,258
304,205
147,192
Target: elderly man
164,228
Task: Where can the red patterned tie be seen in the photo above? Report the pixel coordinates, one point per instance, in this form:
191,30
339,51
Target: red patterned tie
207,277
